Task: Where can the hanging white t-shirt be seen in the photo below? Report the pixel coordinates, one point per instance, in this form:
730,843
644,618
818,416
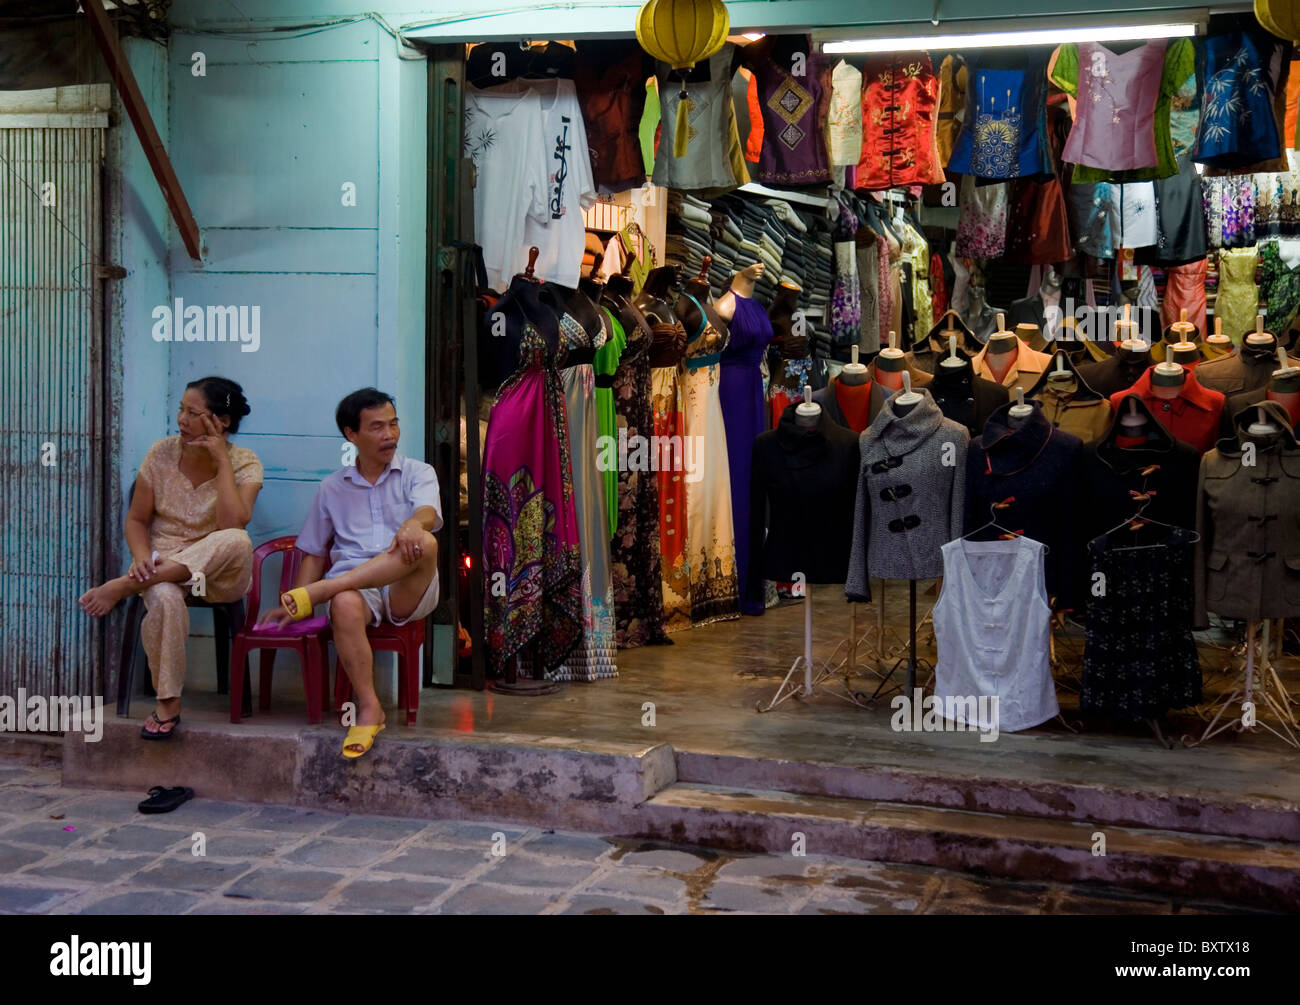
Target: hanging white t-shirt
562,239
503,134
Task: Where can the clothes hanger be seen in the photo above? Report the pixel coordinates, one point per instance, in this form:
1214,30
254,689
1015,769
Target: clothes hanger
1007,533
1137,521
1061,362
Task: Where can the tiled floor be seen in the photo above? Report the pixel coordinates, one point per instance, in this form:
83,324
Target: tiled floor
66,851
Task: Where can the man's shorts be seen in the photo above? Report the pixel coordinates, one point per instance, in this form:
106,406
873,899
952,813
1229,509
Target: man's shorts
377,601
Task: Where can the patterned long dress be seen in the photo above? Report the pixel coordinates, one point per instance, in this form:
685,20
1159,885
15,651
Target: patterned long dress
666,351
710,536
634,550
532,567
605,366
596,656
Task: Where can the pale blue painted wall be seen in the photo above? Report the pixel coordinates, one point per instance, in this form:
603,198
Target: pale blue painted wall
262,145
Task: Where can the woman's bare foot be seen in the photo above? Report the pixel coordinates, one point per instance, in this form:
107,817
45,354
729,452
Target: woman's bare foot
166,709
99,600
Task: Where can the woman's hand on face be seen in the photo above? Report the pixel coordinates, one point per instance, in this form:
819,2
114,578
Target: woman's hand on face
211,440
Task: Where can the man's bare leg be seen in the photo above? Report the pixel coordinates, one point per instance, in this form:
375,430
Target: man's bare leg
99,600
349,616
382,570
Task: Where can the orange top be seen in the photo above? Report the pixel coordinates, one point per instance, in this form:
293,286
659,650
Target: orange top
855,402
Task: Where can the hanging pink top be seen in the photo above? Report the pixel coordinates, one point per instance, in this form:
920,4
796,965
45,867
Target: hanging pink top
1114,127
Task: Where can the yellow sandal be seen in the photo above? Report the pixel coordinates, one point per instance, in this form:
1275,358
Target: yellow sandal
361,736
302,606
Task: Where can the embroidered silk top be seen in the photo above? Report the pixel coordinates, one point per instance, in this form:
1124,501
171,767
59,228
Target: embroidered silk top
794,108
1240,71
1122,103
1003,135
900,96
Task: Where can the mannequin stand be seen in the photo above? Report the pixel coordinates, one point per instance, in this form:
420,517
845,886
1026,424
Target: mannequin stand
1259,695
816,676
517,684
910,659
871,643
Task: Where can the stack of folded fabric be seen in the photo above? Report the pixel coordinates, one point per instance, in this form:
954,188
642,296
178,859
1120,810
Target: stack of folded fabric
689,240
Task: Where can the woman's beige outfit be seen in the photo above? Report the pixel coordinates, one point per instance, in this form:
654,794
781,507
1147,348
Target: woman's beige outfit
184,529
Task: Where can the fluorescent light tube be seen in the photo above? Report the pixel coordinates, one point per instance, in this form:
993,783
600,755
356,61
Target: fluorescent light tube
985,40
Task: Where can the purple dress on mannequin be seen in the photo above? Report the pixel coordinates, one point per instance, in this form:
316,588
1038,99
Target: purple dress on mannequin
741,390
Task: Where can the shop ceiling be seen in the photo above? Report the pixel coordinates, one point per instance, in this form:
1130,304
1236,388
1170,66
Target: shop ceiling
491,20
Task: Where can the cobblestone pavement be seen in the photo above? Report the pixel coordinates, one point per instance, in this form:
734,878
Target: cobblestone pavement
80,851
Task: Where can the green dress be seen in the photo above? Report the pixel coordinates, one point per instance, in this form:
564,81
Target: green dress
605,364
1280,286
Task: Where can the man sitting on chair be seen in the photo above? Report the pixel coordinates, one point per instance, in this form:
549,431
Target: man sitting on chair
381,515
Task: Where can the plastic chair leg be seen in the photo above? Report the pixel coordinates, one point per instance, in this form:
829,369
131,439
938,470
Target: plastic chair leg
266,661
238,694
311,680
411,670
126,667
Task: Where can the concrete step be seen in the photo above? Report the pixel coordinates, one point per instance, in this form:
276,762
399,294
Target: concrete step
536,780
1263,874
1247,815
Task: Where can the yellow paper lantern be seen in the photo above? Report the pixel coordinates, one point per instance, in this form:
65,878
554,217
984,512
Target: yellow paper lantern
1281,17
681,33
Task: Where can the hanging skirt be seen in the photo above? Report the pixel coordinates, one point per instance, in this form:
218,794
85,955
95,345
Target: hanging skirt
670,428
596,655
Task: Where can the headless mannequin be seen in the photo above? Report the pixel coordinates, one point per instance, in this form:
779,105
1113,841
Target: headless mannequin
523,299
618,298
1134,429
1167,380
853,393
659,301
908,400
1219,340
1184,353
1134,354
781,314
742,284
1020,412
1003,351
1181,330
578,306
808,414
698,285
591,284
1284,388
890,365
1050,292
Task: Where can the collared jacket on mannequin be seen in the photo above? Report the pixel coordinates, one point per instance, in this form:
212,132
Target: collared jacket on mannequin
1248,516
964,397
910,495
1037,466
1024,373
1114,476
830,403
1193,416
1244,399
805,481
1242,371
1116,374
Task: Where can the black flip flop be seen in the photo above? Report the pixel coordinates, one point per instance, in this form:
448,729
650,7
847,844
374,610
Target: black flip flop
163,800
174,721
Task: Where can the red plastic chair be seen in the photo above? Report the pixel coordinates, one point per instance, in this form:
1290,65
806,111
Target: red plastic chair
309,638
405,640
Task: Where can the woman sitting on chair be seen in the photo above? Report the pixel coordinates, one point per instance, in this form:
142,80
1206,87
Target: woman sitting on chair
193,498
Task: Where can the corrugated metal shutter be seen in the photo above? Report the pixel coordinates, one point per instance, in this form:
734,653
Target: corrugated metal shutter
51,441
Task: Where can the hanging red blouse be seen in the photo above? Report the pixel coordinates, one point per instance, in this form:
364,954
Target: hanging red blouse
900,98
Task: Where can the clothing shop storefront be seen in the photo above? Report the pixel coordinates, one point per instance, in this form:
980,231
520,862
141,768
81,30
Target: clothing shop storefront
1036,294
